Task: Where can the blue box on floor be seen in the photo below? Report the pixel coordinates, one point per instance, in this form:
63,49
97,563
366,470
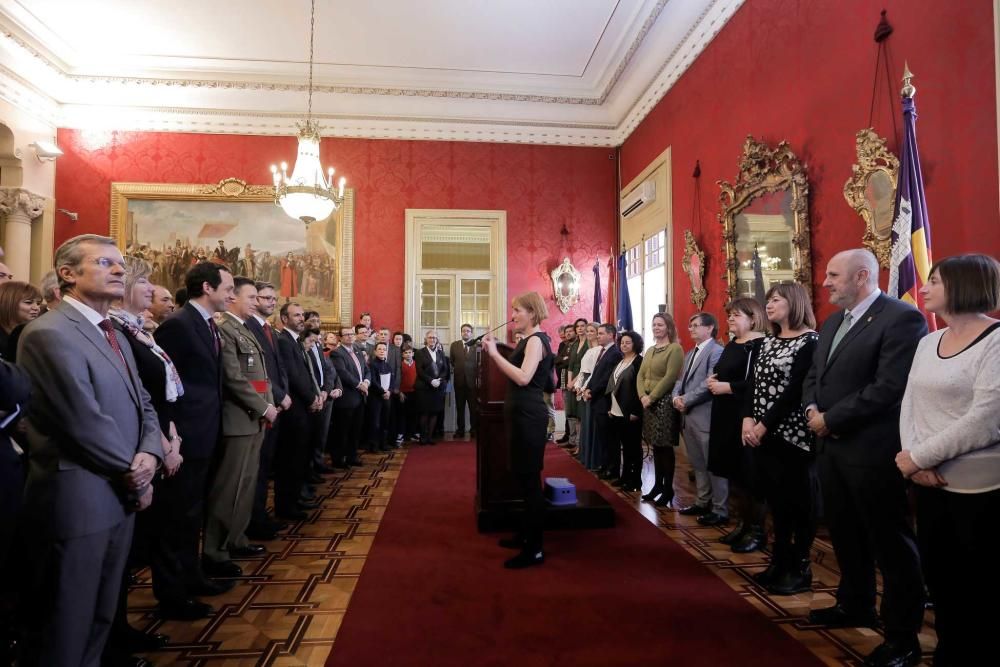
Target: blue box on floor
560,491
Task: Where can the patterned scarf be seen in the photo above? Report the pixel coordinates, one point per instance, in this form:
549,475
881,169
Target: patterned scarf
132,324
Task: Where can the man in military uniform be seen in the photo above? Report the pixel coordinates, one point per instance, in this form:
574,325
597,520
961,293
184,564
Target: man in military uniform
247,410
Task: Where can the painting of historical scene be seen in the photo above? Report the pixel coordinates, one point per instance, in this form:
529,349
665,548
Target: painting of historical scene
254,238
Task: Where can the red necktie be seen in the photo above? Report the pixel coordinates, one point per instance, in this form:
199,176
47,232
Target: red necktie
268,334
215,335
109,333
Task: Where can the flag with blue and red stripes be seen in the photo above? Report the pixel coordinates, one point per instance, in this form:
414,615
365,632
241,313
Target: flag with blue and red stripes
910,262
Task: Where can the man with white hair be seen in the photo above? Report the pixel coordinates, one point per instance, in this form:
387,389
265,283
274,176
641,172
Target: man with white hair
851,399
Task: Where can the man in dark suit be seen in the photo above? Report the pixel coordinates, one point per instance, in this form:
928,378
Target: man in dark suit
600,399
94,447
349,410
330,390
433,371
190,337
458,354
395,359
852,397
296,432
262,527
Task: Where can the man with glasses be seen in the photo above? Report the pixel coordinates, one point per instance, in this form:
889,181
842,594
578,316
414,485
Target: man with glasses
693,400
349,410
433,371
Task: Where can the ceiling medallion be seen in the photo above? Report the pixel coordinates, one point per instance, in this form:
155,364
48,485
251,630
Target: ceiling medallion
307,194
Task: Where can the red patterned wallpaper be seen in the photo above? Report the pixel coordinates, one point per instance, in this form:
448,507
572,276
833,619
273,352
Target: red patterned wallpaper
540,187
802,71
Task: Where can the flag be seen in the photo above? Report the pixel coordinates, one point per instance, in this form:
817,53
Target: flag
910,262
597,291
758,278
624,303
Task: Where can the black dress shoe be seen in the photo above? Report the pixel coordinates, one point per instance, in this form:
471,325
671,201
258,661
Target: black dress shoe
712,519
184,610
694,510
563,440
752,540
653,492
794,580
210,587
137,641
764,577
225,569
249,551
894,654
525,559
309,504
838,617
292,514
735,534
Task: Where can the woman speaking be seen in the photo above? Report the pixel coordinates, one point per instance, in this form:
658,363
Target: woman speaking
530,372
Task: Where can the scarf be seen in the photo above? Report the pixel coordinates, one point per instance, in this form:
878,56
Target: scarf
132,324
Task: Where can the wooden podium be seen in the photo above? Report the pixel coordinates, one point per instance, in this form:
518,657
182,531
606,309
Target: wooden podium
498,500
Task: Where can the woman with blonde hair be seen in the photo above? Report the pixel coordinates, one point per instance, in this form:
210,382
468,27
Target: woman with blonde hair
586,452
20,303
660,423
529,370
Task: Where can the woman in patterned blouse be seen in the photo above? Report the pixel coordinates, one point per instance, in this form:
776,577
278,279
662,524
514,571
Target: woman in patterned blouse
775,427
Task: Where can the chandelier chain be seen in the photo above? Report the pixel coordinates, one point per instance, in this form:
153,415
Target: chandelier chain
312,37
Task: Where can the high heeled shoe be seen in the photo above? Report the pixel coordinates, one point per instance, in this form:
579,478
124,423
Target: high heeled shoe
653,492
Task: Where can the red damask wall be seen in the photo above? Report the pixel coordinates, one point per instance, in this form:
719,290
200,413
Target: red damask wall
540,187
802,70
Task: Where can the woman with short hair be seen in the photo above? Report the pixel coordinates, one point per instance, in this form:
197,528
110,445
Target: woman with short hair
949,427
727,457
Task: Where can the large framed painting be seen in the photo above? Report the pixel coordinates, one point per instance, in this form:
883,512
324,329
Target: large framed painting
174,226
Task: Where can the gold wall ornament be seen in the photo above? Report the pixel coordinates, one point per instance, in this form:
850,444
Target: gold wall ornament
871,192
767,207
566,285
694,266
237,223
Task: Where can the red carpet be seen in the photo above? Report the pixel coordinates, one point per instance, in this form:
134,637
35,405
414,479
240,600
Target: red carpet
433,591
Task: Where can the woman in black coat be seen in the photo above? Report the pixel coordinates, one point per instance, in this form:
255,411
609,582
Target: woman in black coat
433,372
625,416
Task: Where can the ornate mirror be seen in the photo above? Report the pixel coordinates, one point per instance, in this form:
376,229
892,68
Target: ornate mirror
871,192
566,285
765,218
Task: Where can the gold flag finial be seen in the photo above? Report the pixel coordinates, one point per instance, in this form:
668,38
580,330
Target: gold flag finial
908,89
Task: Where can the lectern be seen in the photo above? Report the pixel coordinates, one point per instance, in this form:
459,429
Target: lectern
498,500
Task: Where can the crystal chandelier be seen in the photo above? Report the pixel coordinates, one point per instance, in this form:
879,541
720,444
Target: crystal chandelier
308,194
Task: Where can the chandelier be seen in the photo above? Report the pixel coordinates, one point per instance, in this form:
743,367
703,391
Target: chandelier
308,194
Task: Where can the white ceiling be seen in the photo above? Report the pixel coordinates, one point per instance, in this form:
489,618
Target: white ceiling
581,72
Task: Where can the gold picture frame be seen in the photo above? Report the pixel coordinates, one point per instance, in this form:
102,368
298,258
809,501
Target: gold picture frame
871,192
694,267
175,224
774,180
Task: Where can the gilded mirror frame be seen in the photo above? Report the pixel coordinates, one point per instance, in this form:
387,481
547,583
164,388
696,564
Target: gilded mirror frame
565,301
765,170
873,157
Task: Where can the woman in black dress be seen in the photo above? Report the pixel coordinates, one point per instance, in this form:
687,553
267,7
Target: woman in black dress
727,457
774,425
530,372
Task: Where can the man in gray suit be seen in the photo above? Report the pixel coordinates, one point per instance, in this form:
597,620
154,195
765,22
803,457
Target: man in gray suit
95,444
692,398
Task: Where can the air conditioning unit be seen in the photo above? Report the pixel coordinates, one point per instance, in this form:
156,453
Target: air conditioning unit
639,197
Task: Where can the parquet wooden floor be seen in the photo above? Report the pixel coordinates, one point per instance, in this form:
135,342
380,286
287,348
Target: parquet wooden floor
288,607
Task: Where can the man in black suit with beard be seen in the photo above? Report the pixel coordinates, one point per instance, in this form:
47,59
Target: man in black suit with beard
349,410
851,399
262,527
190,337
296,436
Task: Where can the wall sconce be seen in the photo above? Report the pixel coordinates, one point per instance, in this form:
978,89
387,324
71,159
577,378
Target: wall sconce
46,151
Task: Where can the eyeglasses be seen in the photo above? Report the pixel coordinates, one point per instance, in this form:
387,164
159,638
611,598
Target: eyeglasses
107,262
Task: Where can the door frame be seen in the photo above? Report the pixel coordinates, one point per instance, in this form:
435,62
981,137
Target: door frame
496,221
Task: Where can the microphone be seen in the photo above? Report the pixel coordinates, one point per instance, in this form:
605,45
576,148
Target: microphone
479,338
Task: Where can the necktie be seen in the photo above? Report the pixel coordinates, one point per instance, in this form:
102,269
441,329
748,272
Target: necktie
599,355
317,366
841,332
690,368
215,335
311,373
357,363
268,334
109,333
